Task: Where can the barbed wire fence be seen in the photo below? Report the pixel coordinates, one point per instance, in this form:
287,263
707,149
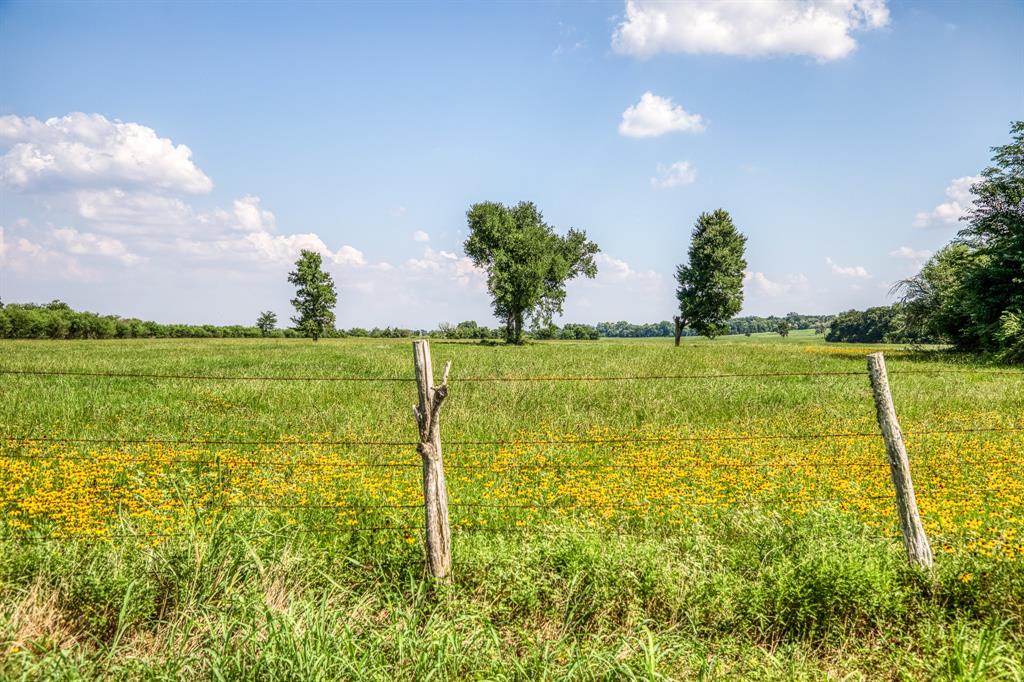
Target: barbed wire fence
437,529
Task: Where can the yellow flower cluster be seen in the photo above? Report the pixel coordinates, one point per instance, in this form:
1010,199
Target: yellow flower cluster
970,487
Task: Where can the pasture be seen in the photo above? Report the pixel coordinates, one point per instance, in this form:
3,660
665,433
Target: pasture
620,509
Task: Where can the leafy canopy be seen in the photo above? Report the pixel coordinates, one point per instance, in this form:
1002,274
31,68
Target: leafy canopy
315,296
710,288
527,263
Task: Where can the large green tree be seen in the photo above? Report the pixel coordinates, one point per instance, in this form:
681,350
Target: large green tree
971,293
710,290
995,232
527,263
315,296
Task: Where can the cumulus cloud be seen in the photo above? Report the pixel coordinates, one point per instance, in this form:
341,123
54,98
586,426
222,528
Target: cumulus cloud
92,151
961,200
674,175
817,28
282,249
653,116
420,236
250,217
857,271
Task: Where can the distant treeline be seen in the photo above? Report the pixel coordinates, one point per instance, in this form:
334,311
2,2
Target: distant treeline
57,320
750,324
883,324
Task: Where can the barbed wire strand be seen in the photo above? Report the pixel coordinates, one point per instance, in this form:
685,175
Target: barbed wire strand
485,379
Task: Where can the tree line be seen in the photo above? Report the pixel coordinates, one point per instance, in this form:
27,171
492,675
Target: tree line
57,320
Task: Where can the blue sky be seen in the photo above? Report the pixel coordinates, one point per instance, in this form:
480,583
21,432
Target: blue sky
168,160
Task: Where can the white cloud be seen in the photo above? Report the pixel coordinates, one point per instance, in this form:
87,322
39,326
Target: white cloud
251,218
58,252
756,28
848,270
420,236
653,116
911,254
569,48
91,151
674,175
759,283
612,270
961,200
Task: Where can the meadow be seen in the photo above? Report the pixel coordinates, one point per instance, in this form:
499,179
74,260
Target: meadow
719,515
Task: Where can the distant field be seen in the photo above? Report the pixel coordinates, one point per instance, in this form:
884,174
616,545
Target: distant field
675,522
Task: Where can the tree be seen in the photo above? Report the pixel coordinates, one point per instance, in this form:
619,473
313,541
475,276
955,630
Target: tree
710,288
971,293
315,296
783,328
527,263
266,322
995,233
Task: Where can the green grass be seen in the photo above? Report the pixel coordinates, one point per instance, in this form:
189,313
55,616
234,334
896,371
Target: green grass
751,590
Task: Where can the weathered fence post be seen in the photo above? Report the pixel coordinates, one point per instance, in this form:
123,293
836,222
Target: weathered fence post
919,552
679,327
435,490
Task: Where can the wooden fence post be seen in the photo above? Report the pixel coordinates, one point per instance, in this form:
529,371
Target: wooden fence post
435,490
679,327
919,552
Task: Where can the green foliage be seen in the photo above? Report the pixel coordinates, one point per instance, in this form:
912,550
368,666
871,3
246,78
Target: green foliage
467,329
527,263
578,332
56,320
710,288
882,324
266,322
783,328
315,296
938,301
1011,337
747,325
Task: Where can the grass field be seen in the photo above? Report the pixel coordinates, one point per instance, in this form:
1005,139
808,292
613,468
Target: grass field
669,531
